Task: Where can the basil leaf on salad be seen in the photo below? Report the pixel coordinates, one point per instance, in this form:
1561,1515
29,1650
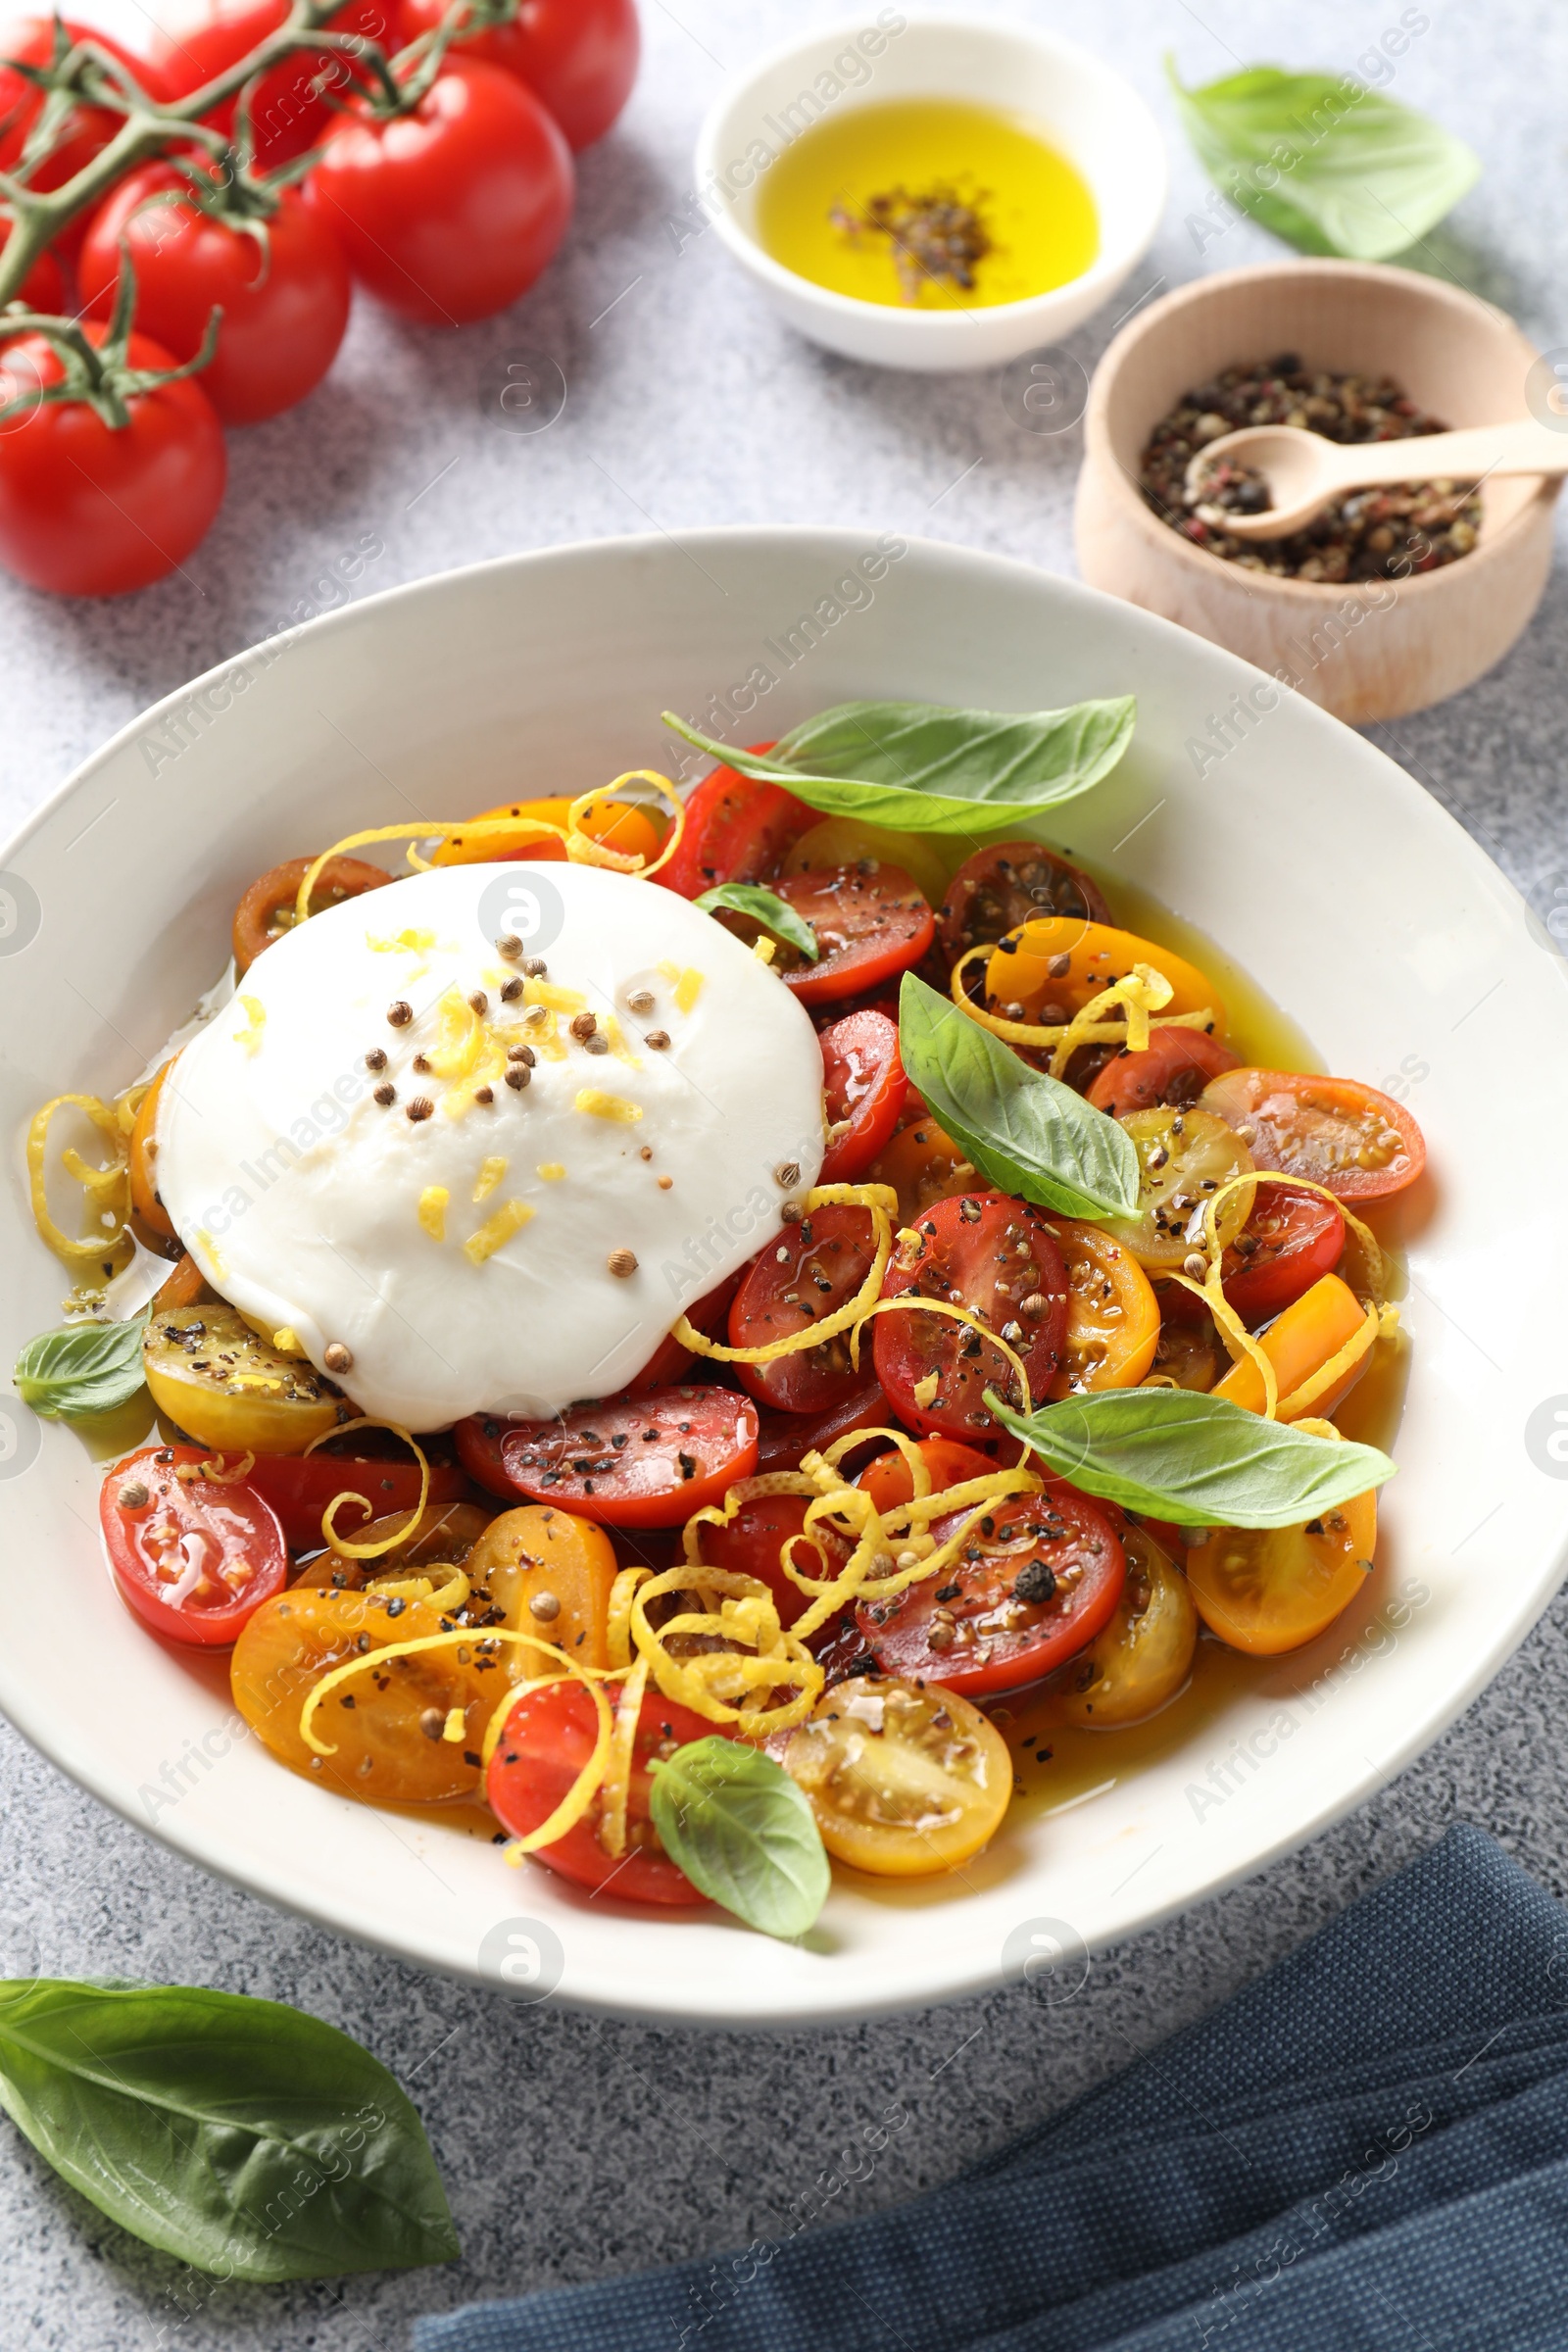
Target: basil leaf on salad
240,2134
81,1369
743,1833
1327,164
921,768
1198,1461
1026,1132
767,908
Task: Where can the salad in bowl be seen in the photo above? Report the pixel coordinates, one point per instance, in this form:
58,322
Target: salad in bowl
674,1315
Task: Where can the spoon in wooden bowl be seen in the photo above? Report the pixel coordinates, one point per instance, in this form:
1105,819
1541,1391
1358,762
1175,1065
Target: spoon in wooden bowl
1305,472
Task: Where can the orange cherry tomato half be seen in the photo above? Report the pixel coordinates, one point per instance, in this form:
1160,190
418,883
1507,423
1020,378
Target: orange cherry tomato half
889,1483
1027,968
1333,1131
826,1258
545,1744
635,1461
267,911
1308,1335
998,1257
1174,1071
144,1199
997,890
1039,1577
1268,1589
871,921
923,1164
863,1088
617,824
194,1559
736,830
1112,1312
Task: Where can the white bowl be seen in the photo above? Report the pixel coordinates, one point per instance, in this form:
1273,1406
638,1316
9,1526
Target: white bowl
1322,868
1090,115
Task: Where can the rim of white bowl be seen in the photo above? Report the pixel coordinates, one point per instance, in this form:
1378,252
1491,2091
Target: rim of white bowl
1108,269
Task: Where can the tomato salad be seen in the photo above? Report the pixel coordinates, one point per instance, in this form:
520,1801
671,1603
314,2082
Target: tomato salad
963,1426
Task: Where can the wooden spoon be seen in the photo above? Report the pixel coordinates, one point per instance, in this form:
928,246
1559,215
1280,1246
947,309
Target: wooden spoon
1305,472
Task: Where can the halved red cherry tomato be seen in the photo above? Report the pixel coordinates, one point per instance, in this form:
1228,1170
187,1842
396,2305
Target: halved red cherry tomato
1014,882
1290,1241
1040,1576
193,1559
635,1461
871,923
786,1437
1334,1131
948,1463
267,911
800,1279
546,1742
299,1487
736,830
669,1358
1177,1066
998,1257
579,56
755,1538
865,1086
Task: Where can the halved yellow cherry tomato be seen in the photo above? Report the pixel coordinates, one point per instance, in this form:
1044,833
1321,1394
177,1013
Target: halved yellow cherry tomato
1300,1342
845,841
143,1152
551,1573
1267,1589
445,1536
1184,1157
1113,1313
905,1780
1021,969
390,1735
617,823
923,1164
1145,1654
225,1386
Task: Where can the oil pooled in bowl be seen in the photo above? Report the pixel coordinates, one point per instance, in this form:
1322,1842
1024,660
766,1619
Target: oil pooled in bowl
928,204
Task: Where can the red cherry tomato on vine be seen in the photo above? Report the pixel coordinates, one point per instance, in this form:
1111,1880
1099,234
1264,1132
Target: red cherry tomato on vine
450,212
285,301
287,112
88,129
579,56
545,1742
998,1257
193,1559
736,830
89,510
864,1087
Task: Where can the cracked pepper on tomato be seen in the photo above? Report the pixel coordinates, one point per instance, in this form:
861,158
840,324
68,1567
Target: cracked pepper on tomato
681,1418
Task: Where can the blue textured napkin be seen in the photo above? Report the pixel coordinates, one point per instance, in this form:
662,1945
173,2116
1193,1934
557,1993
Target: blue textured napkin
1366,2149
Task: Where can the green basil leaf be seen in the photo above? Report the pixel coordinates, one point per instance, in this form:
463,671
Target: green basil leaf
1198,1461
84,1368
242,2136
767,908
743,1833
1326,164
1028,1132
920,767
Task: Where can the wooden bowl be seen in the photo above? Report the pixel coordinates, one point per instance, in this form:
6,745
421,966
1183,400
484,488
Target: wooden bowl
1364,650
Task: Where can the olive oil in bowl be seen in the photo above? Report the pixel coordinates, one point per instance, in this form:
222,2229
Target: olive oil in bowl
930,204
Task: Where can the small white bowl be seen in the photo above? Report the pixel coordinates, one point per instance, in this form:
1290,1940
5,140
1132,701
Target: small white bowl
1094,118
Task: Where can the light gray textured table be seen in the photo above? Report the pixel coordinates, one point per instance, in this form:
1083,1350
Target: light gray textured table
573,2147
